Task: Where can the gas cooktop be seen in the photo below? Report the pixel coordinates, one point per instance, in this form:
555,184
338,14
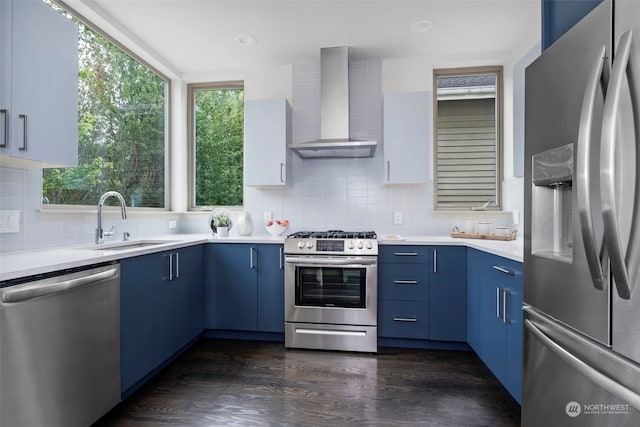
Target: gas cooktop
333,234
332,242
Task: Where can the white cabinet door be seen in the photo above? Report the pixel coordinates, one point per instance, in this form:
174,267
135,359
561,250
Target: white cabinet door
267,133
5,73
407,132
43,125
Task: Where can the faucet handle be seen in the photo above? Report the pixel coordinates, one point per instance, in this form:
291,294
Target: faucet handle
125,236
109,233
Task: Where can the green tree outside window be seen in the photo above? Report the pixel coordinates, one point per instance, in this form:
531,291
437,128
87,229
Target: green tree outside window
121,130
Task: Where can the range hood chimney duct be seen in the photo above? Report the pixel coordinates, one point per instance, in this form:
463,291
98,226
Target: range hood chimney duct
334,139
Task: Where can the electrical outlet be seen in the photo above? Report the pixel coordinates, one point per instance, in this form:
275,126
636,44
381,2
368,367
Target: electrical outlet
172,224
397,217
516,217
9,221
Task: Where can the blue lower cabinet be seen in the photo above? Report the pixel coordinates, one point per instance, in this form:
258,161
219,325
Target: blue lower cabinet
244,287
424,289
270,288
161,309
494,316
403,319
236,285
188,295
448,294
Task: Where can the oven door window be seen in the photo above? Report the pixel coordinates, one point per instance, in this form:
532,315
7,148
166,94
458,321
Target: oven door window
331,287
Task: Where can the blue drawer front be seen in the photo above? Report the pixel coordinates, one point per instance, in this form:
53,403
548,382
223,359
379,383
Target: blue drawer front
403,319
404,282
404,254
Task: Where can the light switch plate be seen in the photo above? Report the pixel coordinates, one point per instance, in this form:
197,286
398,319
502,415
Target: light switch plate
9,221
397,217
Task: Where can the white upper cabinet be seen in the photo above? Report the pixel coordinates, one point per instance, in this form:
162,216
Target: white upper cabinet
39,86
407,131
267,134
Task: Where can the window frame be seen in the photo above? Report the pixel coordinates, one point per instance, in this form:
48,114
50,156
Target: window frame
499,112
54,207
191,140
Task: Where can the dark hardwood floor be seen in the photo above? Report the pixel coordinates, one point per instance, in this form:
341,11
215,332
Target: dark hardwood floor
252,383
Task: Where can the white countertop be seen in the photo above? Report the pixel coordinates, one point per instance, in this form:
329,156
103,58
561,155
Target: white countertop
512,249
29,263
32,262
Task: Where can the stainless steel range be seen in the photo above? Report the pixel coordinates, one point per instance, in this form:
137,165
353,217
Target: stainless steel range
331,290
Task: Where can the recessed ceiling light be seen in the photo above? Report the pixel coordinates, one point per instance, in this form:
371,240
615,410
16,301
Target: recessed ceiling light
421,26
245,40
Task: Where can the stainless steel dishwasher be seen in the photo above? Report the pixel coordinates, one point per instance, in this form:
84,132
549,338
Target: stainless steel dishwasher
60,348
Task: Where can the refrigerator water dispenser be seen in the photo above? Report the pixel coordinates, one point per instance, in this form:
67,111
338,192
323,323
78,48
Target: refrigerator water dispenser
552,203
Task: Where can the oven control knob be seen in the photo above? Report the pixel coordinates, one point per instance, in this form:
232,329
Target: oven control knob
360,245
350,244
300,244
369,245
309,244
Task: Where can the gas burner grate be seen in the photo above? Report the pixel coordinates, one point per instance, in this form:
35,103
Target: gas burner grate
333,234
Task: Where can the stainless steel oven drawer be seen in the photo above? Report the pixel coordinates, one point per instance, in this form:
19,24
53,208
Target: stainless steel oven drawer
331,337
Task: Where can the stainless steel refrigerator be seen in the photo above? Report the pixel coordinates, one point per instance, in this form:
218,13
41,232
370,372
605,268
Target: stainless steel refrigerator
582,230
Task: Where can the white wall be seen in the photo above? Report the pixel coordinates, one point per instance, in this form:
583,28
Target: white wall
269,82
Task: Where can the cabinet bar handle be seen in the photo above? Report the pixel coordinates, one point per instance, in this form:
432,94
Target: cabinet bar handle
498,302
404,319
388,170
170,267
25,137
504,270
251,258
435,261
177,265
280,258
5,141
405,282
282,179
405,253
504,306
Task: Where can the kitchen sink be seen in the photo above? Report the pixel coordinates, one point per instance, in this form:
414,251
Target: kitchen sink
125,245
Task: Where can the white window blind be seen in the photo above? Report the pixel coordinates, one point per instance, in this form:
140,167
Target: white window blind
466,153
468,138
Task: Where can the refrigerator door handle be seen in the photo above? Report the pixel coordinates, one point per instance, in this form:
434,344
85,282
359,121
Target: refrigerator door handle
601,380
584,148
628,64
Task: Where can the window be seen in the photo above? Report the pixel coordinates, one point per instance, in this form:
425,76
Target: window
122,130
468,138
216,120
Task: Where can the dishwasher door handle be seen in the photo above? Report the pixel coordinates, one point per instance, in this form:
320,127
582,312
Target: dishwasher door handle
30,291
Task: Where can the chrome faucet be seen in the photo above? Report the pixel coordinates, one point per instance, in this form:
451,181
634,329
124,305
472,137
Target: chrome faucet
100,233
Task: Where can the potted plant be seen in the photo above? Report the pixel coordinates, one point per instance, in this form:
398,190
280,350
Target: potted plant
220,223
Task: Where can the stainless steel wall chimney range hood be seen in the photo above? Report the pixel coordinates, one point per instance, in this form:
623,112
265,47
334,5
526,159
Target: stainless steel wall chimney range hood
334,139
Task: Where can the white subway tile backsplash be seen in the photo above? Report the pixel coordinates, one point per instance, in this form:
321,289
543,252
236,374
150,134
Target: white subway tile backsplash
21,189
43,235
11,175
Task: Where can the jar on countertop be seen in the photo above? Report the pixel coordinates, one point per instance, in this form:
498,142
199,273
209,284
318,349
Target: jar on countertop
244,224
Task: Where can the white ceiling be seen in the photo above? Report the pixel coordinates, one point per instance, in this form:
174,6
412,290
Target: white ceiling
195,36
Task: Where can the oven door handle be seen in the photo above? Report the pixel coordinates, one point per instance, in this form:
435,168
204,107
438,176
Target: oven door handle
331,261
